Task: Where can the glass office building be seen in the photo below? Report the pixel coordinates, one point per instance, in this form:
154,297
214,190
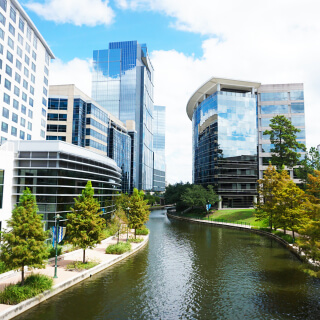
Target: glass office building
228,121
122,83
159,142
75,118
56,172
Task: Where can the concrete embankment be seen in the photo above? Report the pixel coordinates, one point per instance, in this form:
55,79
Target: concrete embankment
66,278
294,249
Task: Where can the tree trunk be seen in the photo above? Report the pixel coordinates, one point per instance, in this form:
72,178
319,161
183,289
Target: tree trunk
22,276
293,235
84,256
284,231
118,236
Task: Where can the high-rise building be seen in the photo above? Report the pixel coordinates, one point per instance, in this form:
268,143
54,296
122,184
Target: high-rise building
228,121
122,83
159,142
24,71
75,118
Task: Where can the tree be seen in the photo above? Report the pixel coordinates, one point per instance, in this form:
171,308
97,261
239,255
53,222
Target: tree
284,139
139,210
198,196
24,244
266,206
308,165
84,226
174,192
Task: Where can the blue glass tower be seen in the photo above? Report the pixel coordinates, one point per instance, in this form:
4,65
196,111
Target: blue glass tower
122,83
159,170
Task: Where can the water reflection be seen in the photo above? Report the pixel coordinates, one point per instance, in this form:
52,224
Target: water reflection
191,271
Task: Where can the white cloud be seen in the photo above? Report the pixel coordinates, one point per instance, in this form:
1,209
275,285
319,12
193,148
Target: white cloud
78,12
76,72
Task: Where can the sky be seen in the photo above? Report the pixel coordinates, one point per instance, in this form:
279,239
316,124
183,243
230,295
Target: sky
274,41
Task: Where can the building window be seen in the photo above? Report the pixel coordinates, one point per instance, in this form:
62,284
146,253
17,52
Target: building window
24,97
32,90
20,39
21,25
30,114
22,134
34,56
296,95
45,91
26,72
14,131
13,14
33,67
10,43
56,128
28,136
42,133
3,5
4,127
46,71
29,126
28,48
47,58
297,107
17,77
19,51
18,64
35,41
8,70
2,19
44,113
25,84
12,30
1,34
7,84
10,56
29,33
23,122
57,117
15,104
6,98
5,112
31,102
33,78
14,117
23,109
44,102
45,81
1,48
43,123
26,59
16,91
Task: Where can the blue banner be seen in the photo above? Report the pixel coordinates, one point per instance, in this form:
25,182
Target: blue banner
208,206
61,234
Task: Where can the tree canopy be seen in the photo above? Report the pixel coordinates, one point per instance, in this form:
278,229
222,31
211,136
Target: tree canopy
24,244
283,136
85,224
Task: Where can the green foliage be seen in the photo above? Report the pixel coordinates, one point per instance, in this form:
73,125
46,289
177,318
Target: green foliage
85,225
118,248
197,195
139,210
24,244
52,251
78,265
283,135
135,240
3,267
173,194
142,232
308,165
34,285
152,199
286,237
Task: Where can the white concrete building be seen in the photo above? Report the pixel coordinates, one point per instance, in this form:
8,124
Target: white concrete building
24,75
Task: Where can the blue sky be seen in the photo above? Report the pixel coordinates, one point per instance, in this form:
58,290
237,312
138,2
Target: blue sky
275,41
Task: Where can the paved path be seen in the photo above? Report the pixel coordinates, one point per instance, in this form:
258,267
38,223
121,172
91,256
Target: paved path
97,254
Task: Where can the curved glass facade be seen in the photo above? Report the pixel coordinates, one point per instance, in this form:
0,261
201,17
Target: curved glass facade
225,146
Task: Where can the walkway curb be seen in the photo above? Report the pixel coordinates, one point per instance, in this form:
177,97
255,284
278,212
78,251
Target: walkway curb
15,310
294,249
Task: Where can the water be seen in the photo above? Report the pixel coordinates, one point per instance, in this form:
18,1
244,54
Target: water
190,271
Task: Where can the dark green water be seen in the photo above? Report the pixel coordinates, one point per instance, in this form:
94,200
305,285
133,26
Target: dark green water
190,271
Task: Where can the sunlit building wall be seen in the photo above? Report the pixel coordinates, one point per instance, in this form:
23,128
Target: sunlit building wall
122,83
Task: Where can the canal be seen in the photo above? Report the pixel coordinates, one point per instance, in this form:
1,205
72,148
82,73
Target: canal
190,271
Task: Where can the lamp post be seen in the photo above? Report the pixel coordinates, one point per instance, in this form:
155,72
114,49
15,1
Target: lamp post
128,223
57,217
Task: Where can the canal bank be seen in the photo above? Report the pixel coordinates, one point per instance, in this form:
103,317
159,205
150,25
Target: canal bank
66,279
294,249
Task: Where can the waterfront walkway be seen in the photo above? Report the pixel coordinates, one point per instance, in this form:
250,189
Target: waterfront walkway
64,276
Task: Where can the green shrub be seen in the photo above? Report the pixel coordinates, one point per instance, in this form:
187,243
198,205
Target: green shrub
133,240
34,285
285,237
78,265
118,248
3,267
52,251
142,232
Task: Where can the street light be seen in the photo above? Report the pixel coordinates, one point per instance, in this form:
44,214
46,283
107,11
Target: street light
57,217
128,222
